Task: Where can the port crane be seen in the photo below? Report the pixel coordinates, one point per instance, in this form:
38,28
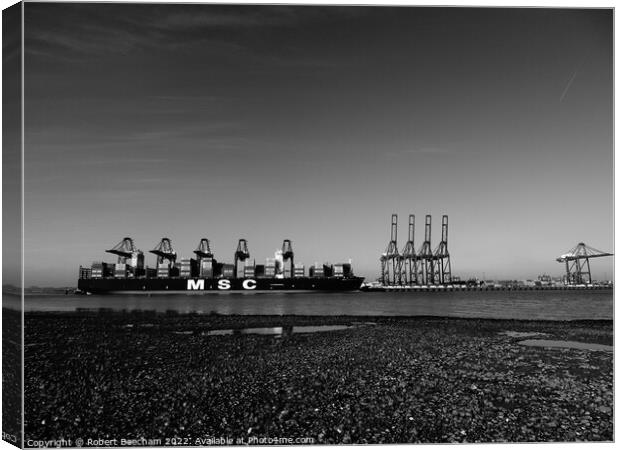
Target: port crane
125,250
288,256
409,260
390,260
164,251
242,254
443,272
426,256
577,262
204,249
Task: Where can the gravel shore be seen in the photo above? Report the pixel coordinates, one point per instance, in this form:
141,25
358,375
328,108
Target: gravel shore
383,380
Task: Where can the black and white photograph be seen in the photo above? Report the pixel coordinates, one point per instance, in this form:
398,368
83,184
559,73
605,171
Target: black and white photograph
231,224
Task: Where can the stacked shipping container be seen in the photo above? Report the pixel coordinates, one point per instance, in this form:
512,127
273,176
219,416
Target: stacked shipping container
299,271
208,267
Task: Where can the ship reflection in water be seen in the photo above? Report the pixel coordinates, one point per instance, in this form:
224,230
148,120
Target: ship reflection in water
551,305
279,331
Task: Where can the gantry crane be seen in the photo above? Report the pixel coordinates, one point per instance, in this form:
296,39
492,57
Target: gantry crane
409,263
164,251
577,262
128,254
426,257
242,254
288,256
204,249
443,273
124,250
390,260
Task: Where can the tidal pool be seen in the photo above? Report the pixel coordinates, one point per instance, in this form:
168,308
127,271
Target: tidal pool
567,344
279,331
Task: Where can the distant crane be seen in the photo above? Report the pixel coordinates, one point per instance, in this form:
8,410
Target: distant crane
241,254
124,250
390,260
426,256
288,256
409,262
577,262
204,254
164,251
443,272
204,249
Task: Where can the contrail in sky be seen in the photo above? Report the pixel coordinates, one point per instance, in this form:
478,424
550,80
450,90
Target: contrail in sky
568,85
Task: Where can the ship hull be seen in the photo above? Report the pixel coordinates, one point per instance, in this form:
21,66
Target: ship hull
220,285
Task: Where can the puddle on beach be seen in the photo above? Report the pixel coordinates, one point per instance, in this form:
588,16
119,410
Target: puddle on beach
279,331
567,344
522,334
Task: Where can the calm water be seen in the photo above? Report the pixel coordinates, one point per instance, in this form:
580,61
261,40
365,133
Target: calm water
553,305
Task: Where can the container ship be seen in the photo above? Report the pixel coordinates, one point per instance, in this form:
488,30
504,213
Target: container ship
204,274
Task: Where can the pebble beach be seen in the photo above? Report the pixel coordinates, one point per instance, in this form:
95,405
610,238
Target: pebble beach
377,380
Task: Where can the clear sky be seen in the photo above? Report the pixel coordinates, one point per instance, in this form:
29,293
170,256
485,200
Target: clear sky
315,124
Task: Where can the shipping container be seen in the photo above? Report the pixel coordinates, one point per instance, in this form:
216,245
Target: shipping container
85,272
346,270
188,267
259,270
136,260
217,269
228,270
101,269
238,273
206,267
316,271
299,270
328,270
120,268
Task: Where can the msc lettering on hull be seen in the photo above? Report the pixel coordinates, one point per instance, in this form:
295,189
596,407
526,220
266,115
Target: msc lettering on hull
199,285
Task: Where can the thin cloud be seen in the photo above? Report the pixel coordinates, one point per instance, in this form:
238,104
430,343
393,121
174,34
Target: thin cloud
211,19
78,31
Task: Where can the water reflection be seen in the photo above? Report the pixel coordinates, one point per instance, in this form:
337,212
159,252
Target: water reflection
278,331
